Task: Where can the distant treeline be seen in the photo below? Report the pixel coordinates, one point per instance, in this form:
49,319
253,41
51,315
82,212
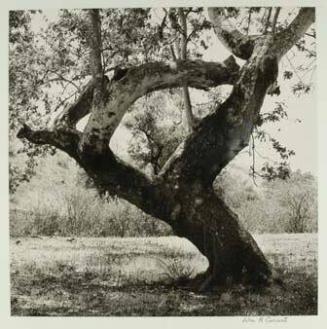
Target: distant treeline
59,201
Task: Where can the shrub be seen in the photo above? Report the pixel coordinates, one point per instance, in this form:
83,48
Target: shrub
66,206
277,206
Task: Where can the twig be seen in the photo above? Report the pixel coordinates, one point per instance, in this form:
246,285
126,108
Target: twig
173,53
294,69
310,35
249,21
277,11
267,21
253,160
63,101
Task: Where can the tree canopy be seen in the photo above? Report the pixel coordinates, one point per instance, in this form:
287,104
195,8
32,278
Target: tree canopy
95,65
49,67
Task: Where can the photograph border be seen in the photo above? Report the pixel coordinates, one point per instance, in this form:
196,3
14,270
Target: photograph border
319,321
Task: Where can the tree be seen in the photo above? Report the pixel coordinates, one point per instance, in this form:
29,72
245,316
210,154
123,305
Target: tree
181,193
154,139
296,199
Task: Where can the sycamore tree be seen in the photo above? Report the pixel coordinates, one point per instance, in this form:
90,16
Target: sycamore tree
94,65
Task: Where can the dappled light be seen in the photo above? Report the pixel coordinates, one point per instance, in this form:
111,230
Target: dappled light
131,125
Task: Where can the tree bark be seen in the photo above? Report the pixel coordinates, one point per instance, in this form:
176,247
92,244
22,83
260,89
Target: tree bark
182,193
233,255
183,52
196,213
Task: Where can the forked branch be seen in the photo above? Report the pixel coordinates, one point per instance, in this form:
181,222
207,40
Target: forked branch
64,139
186,93
287,38
239,44
141,80
73,113
107,171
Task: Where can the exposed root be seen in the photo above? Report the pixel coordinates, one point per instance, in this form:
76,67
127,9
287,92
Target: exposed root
211,281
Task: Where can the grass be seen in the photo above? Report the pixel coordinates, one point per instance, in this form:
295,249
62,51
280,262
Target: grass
136,276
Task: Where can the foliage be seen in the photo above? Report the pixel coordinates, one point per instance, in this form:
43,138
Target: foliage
280,205
48,65
157,129
60,204
47,69
297,196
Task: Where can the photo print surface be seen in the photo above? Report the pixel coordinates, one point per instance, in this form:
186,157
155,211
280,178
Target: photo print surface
163,161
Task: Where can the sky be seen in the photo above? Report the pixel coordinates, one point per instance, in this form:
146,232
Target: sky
298,132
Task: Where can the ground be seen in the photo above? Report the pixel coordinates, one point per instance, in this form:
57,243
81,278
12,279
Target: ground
143,276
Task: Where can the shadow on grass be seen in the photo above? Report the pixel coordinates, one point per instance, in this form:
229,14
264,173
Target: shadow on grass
83,294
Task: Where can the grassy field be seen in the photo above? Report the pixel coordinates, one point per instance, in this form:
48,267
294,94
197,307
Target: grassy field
137,276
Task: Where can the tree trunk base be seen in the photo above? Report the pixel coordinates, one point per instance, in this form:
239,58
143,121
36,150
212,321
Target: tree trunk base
208,282
234,256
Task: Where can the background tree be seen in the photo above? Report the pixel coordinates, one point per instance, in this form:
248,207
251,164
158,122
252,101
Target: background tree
134,49
274,206
297,198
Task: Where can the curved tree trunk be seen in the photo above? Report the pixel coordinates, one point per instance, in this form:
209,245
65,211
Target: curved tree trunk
196,213
233,255
182,194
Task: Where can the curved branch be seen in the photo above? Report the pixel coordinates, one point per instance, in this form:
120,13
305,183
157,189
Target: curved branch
73,113
64,139
107,171
141,80
239,44
110,173
223,134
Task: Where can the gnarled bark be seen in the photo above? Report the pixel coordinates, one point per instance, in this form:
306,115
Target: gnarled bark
239,44
143,79
182,194
206,220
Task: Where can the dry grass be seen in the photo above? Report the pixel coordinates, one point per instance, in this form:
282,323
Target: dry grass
134,276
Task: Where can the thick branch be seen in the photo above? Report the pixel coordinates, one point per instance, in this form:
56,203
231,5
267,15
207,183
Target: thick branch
119,178
141,80
89,140
295,31
73,113
95,45
267,20
64,139
239,44
108,172
223,134
274,23
186,93
184,33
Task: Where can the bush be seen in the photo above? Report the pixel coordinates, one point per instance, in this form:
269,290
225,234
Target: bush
297,199
64,206
60,201
277,206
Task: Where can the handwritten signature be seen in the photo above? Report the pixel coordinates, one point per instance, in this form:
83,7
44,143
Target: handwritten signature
265,319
